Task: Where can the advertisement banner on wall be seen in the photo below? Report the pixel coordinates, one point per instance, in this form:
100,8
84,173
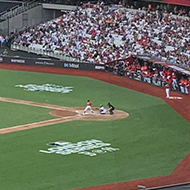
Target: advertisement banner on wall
100,67
53,63
17,60
71,65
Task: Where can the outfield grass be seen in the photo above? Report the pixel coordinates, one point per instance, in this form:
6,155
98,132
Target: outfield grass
153,140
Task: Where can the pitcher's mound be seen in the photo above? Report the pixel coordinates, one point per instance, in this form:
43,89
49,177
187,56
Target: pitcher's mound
77,114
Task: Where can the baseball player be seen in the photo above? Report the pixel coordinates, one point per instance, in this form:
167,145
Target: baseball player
174,83
111,108
102,109
88,107
184,85
167,88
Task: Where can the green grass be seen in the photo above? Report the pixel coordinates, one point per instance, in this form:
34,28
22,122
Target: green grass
153,140
12,114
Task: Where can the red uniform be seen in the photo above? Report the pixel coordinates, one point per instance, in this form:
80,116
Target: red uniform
164,74
144,68
167,86
128,67
174,76
184,86
88,107
168,73
89,103
186,83
170,80
156,72
133,68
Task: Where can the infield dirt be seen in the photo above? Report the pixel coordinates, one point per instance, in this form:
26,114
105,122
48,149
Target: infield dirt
63,114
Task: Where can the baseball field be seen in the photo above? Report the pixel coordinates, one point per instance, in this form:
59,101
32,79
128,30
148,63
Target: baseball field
48,144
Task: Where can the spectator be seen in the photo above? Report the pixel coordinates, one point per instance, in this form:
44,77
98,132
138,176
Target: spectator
96,35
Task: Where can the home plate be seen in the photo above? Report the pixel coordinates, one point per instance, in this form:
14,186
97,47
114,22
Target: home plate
175,97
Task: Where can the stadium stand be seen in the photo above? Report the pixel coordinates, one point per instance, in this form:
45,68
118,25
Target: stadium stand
96,34
108,34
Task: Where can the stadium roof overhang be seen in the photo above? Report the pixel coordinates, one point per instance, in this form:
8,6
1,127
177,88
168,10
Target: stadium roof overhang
175,2
178,2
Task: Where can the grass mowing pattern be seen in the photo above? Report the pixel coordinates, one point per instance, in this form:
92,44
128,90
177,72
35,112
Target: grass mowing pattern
153,140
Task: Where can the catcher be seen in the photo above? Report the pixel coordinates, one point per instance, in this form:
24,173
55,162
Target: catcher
102,109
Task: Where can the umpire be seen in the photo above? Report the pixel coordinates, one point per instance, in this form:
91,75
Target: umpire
111,108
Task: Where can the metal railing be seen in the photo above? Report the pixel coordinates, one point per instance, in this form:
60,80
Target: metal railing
56,54
18,9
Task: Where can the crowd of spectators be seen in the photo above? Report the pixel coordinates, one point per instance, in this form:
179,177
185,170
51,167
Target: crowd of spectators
155,6
98,35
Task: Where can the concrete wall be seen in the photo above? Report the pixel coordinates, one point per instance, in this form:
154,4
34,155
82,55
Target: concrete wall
30,17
